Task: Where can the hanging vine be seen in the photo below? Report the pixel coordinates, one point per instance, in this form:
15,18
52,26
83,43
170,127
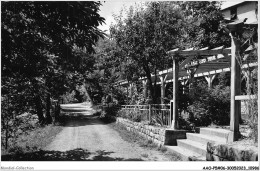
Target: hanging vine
247,57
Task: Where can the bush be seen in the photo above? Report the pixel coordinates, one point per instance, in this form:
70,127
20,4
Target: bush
109,112
69,97
199,114
133,115
13,127
185,124
253,119
219,105
210,106
252,106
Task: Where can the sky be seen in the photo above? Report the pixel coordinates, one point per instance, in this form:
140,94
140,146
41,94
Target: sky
111,7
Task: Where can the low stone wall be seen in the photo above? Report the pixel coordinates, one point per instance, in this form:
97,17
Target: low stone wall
225,152
159,135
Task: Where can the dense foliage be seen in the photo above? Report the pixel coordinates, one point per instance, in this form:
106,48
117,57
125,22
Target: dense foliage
109,112
210,106
202,25
144,37
46,51
46,47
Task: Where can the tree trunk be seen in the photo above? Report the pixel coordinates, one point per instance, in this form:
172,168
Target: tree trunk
150,83
48,109
154,87
56,112
38,105
6,135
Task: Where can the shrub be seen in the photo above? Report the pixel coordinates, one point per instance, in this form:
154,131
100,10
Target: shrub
252,105
133,115
210,106
219,105
13,127
253,119
156,118
110,112
69,97
199,114
186,124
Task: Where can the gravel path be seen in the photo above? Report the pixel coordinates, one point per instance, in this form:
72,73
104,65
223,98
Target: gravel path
101,141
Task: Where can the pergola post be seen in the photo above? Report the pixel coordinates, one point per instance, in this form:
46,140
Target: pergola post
235,105
145,89
191,79
127,93
258,78
174,102
210,79
163,86
130,90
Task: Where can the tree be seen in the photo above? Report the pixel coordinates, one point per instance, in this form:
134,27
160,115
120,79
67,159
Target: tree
148,33
107,70
41,42
145,36
202,25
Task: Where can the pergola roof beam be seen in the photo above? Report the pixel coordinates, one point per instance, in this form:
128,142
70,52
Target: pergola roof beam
207,52
190,49
205,48
187,60
172,51
201,61
166,71
206,67
209,59
220,47
218,71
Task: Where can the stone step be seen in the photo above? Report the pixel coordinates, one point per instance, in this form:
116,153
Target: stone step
184,154
204,139
222,133
195,146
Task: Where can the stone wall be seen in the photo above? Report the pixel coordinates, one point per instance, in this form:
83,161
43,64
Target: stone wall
156,134
159,135
225,152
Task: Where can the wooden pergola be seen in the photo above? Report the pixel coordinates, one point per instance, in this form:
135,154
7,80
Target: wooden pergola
211,62
214,61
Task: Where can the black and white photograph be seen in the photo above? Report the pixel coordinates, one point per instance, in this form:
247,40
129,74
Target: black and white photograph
152,85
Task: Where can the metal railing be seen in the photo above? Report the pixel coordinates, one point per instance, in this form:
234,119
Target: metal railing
154,113
161,113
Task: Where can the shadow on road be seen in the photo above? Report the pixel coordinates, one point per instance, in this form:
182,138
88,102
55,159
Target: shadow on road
71,155
76,120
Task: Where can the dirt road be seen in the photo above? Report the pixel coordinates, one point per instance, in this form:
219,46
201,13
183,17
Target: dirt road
86,132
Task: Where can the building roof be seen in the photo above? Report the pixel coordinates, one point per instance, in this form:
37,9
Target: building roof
228,4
